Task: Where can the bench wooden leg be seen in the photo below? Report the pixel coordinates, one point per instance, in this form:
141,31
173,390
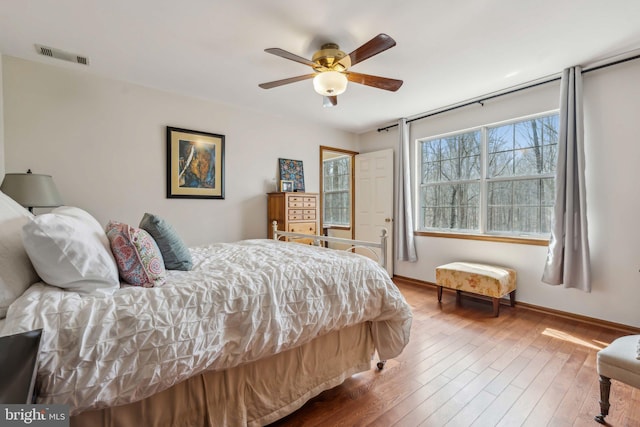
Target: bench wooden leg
439,293
496,306
512,298
605,389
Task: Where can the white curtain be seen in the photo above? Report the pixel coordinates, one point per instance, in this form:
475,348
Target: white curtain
568,254
404,239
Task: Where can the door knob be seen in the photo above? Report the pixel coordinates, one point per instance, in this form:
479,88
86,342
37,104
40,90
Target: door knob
387,220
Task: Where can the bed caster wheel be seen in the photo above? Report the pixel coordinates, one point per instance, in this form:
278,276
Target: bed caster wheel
380,364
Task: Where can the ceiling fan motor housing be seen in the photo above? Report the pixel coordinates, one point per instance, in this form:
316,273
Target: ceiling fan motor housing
328,57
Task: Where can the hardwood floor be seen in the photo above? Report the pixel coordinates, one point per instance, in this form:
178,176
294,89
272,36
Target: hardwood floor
463,367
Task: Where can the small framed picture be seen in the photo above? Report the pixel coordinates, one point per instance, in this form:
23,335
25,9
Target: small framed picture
292,170
286,186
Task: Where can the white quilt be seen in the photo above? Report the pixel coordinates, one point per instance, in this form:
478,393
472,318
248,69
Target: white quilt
242,302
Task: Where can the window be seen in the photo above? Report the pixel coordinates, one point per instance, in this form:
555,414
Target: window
497,179
336,191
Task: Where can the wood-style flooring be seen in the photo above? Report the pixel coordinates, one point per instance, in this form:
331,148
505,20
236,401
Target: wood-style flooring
464,367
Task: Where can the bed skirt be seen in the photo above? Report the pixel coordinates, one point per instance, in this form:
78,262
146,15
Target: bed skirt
254,394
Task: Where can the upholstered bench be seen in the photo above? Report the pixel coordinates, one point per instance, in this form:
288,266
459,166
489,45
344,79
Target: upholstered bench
481,279
620,361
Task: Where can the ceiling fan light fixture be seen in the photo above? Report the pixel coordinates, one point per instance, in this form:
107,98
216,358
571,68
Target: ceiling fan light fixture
330,83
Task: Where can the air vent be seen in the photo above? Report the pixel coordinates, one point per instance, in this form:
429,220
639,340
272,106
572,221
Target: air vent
61,54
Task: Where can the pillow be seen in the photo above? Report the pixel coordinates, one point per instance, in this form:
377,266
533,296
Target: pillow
137,255
67,252
96,229
16,271
638,351
174,252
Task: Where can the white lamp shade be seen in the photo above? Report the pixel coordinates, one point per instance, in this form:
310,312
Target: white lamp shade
31,190
330,83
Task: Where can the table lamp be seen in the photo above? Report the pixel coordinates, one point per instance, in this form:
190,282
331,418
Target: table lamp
31,190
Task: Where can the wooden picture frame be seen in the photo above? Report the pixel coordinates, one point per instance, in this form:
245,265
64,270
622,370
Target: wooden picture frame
286,186
292,170
195,164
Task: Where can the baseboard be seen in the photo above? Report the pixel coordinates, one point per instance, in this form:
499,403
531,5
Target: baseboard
523,305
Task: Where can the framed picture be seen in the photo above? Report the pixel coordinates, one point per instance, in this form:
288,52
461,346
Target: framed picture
286,186
292,170
195,164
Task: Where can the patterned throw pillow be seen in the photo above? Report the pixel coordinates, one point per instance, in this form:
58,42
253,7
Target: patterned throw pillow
139,260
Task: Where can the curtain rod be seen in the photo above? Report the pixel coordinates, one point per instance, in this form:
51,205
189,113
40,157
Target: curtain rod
486,98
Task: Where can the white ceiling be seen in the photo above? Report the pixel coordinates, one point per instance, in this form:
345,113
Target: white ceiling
447,51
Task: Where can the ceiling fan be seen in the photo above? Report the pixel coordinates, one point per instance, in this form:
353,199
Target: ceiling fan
331,68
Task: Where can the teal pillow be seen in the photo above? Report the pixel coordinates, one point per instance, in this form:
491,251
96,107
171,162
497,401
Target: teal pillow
175,253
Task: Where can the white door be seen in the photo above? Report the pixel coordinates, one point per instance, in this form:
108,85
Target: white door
374,199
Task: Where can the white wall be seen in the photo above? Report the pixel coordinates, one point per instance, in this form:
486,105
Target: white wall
612,109
104,143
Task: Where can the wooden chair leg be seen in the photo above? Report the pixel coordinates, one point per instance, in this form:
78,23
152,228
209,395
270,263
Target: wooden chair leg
605,389
439,293
512,298
496,306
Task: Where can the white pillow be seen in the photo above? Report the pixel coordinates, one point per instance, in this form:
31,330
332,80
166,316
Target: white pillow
67,252
16,271
96,229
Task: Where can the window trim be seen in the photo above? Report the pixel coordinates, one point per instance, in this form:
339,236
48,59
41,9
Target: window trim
484,181
523,240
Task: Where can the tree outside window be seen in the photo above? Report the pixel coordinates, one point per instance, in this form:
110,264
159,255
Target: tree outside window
336,191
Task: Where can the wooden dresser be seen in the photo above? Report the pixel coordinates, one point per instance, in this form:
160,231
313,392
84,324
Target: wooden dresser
295,212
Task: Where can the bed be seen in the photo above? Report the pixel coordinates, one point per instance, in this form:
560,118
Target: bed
247,336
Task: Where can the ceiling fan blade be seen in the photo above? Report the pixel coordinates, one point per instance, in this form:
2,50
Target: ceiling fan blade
277,83
375,81
378,44
329,101
288,55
